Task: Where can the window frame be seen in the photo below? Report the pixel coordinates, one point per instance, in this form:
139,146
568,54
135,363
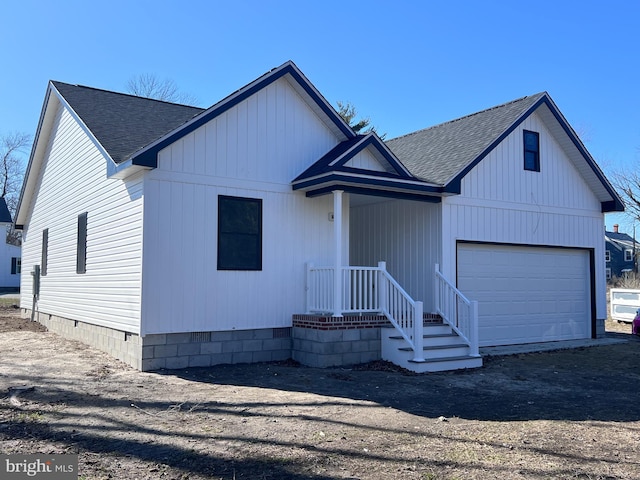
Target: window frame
536,160
225,255
628,255
44,256
608,273
16,265
607,256
81,244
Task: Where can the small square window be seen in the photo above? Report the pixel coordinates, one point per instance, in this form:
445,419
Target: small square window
239,233
628,255
607,256
531,151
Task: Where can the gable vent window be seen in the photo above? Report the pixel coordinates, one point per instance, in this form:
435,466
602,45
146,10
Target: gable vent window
531,151
239,233
81,249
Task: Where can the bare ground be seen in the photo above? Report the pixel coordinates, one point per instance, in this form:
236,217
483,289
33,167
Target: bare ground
567,414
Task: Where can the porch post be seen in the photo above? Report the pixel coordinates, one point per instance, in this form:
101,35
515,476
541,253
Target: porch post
337,237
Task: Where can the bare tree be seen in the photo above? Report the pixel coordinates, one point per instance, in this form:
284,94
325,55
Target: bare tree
628,185
12,148
150,86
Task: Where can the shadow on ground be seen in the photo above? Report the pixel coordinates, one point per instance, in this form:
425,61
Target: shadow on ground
594,383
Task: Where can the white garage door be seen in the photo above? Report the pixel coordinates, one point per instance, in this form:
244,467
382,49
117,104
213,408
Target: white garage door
526,294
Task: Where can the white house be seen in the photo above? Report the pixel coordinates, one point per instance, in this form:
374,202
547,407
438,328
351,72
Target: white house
10,255
172,236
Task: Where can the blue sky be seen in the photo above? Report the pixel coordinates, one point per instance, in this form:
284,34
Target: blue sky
405,64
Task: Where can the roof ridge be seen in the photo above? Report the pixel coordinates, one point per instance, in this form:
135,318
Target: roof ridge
495,107
131,95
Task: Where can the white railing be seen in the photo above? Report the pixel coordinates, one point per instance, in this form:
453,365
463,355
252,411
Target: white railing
367,290
624,304
457,311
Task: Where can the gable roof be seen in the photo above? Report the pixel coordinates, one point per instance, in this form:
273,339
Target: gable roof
445,153
333,171
121,123
620,240
438,154
148,157
5,215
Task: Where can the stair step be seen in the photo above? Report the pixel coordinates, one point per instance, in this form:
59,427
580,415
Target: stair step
436,347
426,336
444,359
444,364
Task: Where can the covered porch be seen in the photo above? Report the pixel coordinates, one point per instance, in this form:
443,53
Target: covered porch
381,213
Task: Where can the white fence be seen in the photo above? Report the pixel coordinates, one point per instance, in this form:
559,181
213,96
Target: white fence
624,303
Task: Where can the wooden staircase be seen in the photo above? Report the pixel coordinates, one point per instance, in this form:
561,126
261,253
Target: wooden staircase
443,350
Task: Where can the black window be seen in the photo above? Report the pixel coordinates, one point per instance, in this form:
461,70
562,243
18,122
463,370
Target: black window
81,249
531,151
45,248
16,265
239,233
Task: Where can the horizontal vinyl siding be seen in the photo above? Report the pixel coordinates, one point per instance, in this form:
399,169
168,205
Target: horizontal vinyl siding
253,150
503,203
72,181
404,234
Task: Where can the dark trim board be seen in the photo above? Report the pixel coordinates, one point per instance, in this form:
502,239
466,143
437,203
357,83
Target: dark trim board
374,193
592,269
149,157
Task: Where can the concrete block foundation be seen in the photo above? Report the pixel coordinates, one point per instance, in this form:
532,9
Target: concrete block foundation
175,350
325,341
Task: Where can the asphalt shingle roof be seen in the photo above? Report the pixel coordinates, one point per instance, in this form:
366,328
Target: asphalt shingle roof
122,123
439,153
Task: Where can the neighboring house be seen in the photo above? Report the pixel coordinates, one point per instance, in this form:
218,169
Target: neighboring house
10,255
172,236
620,253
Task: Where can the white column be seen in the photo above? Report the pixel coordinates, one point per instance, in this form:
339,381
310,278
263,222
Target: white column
337,237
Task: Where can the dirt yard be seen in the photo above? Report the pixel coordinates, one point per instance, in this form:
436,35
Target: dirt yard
568,414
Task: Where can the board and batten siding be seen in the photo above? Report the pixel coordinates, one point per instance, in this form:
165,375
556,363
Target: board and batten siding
73,180
406,235
503,203
253,150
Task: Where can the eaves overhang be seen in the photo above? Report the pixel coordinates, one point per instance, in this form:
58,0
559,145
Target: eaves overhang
610,200
368,184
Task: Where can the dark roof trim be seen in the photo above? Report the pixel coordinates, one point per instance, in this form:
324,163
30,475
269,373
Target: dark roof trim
374,192
454,185
148,157
332,178
336,159
615,205
374,140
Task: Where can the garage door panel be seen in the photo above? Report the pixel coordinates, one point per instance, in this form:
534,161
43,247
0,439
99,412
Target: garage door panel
526,294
